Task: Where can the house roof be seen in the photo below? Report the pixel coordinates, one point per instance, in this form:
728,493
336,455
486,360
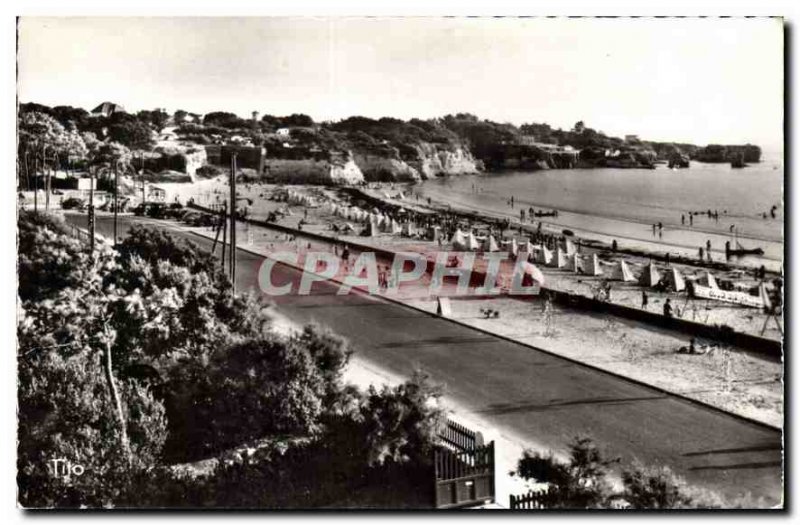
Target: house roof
107,108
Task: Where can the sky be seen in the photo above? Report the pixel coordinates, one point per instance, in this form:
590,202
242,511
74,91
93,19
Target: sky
685,80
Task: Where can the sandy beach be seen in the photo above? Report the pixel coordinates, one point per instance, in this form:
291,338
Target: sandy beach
723,376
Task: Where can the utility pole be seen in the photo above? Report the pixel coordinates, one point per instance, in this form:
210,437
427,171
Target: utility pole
232,250
116,202
90,211
35,183
46,185
224,212
144,197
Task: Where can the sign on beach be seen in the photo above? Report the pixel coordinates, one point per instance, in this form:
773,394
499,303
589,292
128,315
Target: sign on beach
744,299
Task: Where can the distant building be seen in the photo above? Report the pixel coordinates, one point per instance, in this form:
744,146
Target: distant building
156,194
106,109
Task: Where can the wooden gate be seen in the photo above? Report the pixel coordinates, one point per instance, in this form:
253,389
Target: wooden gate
464,469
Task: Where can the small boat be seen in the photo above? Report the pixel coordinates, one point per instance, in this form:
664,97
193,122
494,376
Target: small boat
741,250
553,213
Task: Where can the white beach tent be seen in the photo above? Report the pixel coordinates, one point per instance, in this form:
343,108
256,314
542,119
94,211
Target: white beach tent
574,263
650,276
409,229
561,258
593,266
676,280
472,243
530,248
533,271
490,245
372,229
622,272
396,228
513,248
569,246
710,281
544,256
459,240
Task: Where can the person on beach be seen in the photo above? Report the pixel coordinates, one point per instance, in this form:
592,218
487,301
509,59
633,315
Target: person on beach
688,350
614,245
668,309
700,253
644,300
691,219
683,219
654,230
666,258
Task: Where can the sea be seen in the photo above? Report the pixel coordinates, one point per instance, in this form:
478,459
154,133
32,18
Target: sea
623,204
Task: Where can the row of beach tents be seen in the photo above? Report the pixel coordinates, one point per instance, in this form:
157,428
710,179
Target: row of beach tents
567,258
375,221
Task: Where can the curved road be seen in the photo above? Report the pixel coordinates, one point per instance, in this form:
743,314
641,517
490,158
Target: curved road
534,394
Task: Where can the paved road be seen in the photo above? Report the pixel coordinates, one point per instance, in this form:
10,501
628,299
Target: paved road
536,395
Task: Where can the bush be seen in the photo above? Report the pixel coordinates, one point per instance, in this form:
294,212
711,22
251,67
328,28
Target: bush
72,203
654,488
579,483
209,171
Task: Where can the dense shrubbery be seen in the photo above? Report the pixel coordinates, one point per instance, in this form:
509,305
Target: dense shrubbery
582,482
143,356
